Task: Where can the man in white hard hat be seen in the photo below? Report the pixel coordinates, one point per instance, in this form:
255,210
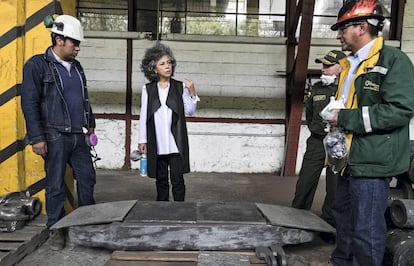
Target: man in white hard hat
59,119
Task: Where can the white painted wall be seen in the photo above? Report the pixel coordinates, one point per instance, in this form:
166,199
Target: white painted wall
221,70
407,42
225,70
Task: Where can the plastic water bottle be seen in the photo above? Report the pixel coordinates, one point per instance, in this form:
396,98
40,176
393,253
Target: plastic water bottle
143,165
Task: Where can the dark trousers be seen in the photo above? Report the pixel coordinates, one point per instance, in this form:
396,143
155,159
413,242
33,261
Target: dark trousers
361,228
312,166
169,163
66,149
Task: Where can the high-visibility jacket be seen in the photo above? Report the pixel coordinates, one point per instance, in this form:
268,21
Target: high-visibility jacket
379,108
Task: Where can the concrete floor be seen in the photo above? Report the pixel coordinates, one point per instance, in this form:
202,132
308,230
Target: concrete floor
117,185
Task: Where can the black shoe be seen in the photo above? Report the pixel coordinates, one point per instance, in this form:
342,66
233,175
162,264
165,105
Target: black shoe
329,220
56,240
329,238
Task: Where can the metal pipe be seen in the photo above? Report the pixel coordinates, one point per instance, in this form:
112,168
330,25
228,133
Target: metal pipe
399,249
402,213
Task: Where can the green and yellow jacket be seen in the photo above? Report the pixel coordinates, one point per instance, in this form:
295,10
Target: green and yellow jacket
379,108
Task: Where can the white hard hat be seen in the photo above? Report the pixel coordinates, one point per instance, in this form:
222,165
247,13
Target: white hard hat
68,26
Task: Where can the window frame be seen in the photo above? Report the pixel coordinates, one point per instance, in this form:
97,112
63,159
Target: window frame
159,31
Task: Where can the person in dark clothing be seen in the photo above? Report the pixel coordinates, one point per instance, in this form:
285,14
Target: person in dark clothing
162,127
314,158
56,108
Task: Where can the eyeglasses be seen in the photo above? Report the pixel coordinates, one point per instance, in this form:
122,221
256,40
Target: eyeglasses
347,25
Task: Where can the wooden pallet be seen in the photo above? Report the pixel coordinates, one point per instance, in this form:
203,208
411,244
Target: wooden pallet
170,258
14,246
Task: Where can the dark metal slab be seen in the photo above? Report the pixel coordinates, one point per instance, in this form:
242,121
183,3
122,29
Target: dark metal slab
235,213
294,218
151,225
96,214
162,212
222,259
162,236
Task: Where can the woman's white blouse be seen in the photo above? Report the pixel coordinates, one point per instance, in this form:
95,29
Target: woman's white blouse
163,119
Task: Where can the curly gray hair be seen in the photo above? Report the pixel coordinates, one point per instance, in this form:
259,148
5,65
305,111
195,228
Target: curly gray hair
152,55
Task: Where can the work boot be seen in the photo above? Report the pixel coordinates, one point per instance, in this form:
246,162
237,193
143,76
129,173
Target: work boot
329,238
56,240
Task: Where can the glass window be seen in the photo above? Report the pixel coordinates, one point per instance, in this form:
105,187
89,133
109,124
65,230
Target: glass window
263,18
103,15
260,18
210,24
147,14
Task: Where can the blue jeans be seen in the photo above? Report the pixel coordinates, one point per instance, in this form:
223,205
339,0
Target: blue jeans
359,209
63,149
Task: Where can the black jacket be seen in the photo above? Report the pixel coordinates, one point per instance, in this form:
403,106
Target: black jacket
317,100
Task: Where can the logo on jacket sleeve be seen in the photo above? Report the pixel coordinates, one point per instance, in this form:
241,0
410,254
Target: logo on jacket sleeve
370,85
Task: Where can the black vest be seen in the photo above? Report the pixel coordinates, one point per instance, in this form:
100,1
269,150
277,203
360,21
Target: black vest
178,126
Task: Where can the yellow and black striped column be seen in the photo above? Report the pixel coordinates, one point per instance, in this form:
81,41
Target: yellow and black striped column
23,35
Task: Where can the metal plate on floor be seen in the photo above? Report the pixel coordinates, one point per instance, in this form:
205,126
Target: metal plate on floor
162,211
96,214
236,213
294,218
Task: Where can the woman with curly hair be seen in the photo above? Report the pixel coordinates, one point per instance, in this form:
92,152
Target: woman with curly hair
162,127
